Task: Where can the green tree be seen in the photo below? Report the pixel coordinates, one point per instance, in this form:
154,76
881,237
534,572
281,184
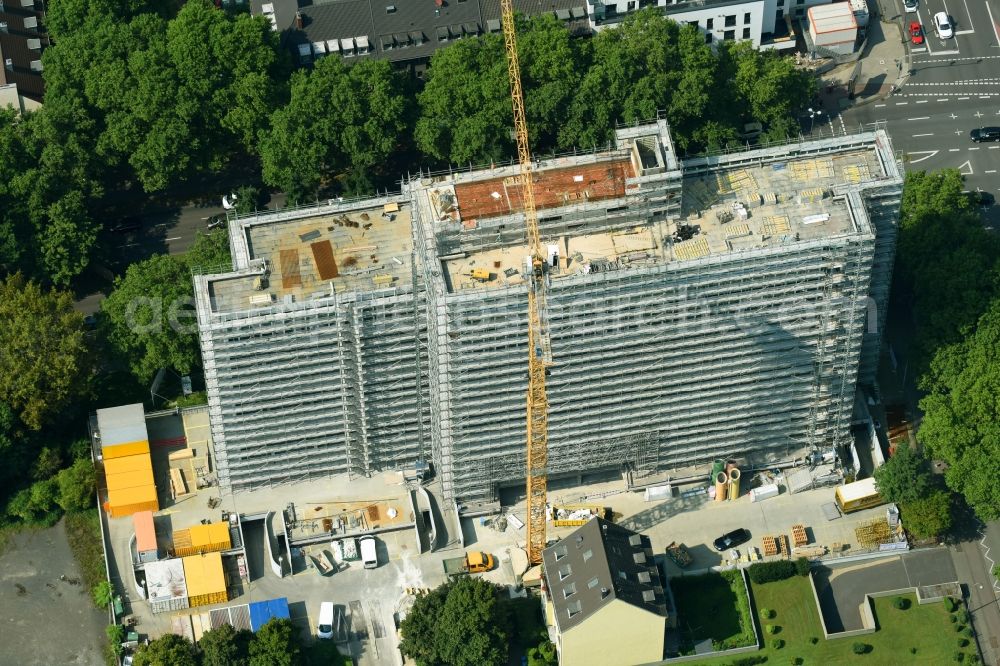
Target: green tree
210,251
463,623
167,650
771,89
338,119
929,516
274,644
149,318
420,627
67,238
948,267
905,477
35,504
76,486
225,646
960,424
44,361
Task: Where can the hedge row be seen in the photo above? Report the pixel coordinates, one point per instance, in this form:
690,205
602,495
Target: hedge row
768,572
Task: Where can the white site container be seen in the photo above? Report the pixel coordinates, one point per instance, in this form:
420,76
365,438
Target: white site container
834,27
764,492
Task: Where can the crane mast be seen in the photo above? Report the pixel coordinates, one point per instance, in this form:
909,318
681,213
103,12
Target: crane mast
538,339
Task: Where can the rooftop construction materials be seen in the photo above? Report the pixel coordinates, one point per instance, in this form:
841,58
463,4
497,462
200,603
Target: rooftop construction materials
574,515
202,539
128,469
432,366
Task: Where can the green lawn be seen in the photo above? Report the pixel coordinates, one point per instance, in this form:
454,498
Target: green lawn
708,608
926,628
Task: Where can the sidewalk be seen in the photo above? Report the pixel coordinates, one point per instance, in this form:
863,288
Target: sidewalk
876,72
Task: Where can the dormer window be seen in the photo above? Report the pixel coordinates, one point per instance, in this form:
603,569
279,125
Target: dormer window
561,552
574,608
569,590
565,572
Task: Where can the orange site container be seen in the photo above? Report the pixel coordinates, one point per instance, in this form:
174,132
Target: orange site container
136,479
123,450
145,532
127,464
202,539
127,501
206,581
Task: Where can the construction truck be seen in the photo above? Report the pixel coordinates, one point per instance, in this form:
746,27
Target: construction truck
470,563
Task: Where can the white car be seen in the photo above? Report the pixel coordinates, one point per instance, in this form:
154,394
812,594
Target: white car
324,628
229,201
909,6
942,26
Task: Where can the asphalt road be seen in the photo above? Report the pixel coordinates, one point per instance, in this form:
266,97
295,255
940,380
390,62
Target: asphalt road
953,87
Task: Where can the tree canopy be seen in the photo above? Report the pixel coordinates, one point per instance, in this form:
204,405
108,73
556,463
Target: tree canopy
149,319
275,645
904,477
960,424
45,363
167,650
462,623
339,118
224,646
929,516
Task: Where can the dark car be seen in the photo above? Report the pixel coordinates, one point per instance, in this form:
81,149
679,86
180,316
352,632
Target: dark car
985,134
127,225
731,539
983,199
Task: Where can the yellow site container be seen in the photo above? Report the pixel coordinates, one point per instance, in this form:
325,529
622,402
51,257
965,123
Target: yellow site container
206,581
202,539
136,479
127,464
481,274
123,450
127,501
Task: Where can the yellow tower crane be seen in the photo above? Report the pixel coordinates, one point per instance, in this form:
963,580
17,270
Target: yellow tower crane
539,351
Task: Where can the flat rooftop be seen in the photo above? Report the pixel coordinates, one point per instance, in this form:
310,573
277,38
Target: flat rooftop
359,249
553,187
724,209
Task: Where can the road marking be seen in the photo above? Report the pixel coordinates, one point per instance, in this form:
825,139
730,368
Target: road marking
175,238
905,103
920,118
943,99
954,150
973,148
204,218
965,165
964,32
915,136
996,31
978,114
878,106
990,171
961,98
953,116
984,97
927,154
994,148
952,52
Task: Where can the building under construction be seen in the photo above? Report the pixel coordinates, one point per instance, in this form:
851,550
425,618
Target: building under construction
696,308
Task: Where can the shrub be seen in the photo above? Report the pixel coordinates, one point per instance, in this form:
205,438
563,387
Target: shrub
913,650
860,648
802,566
750,661
103,593
900,603
967,632
962,615
814,640
958,656
972,658
116,636
959,627
962,642
777,644
767,613
768,572
796,661
770,628
950,604
953,617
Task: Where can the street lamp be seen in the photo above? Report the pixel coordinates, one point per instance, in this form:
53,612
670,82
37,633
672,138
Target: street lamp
812,117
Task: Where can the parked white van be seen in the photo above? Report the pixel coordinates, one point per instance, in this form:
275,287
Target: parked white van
324,628
369,554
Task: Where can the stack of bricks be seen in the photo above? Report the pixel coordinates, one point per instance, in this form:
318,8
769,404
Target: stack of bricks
770,546
799,537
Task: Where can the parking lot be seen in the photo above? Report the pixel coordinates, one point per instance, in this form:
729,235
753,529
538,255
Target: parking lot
841,588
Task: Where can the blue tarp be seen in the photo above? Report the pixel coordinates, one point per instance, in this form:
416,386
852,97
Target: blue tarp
262,611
